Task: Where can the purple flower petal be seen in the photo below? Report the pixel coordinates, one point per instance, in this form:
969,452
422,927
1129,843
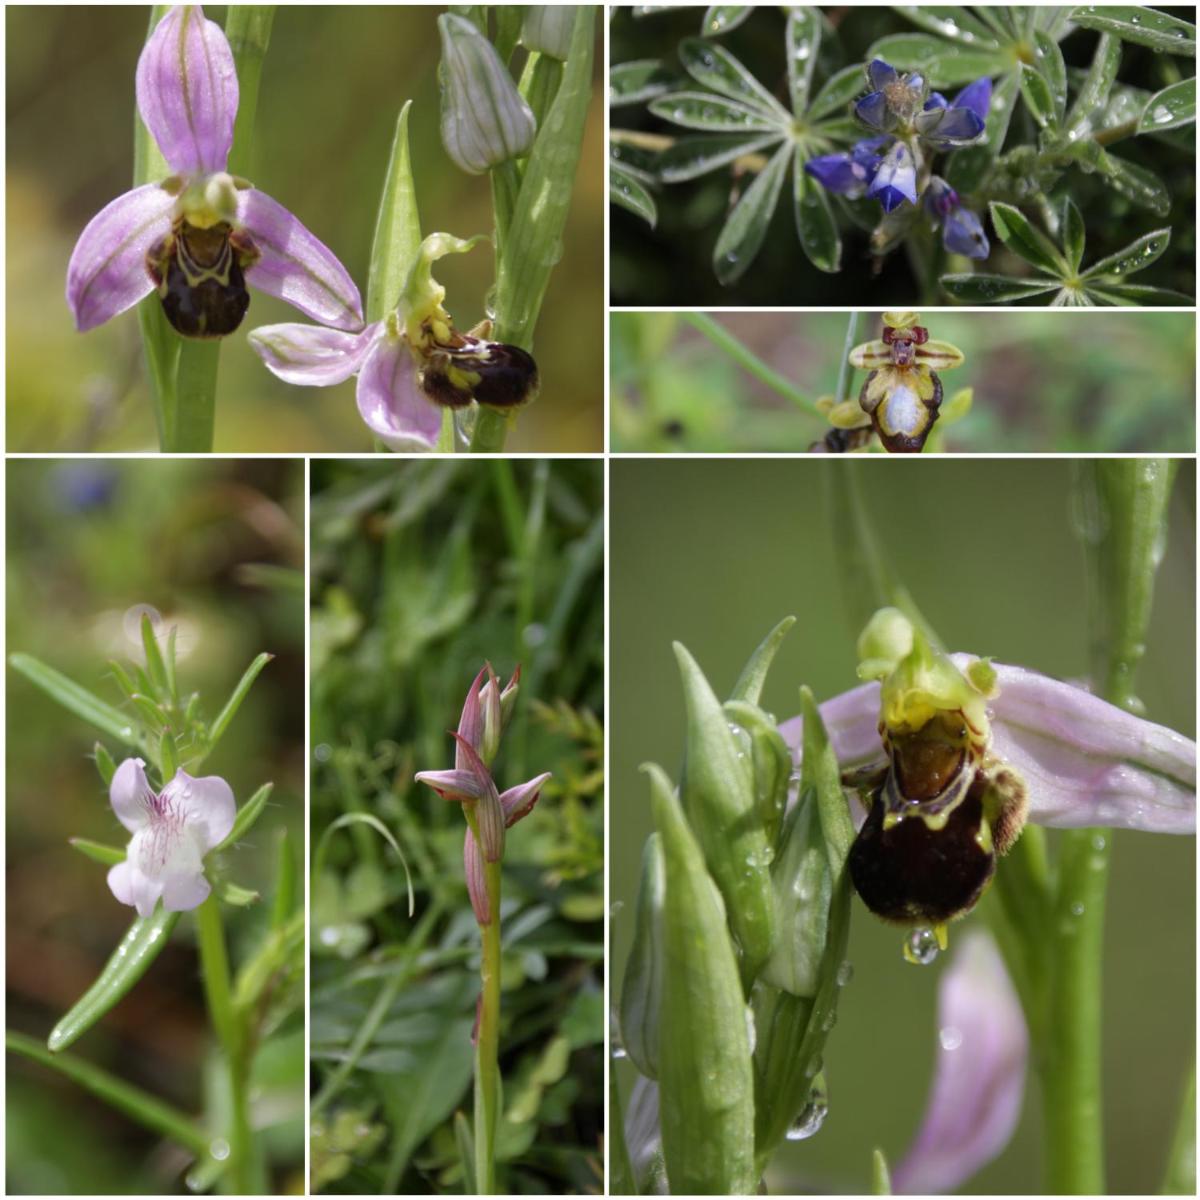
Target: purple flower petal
391,403
187,91
312,355
489,816
130,885
470,723
896,179
518,801
948,127
459,784
476,880
840,173
1084,761
977,97
936,100
881,74
107,272
979,1079
131,796
873,110
206,806
296,266
963,234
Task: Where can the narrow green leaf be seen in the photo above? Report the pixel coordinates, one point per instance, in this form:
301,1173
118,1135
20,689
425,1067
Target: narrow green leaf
76,699
719,798
1140,294
714,67
628,191
284,900
815,222
1138,184
1021,237
532,247
361,818
746,228
770,761
721,18
397,228
638,81
1097,85
881,1177
837,92
953,23
1145,26
464,1140
234,702
803,41
1038,97
147,1110
995,289
943,64
621,1179
1135,257
689,158
706,1082
247,815
168,756
138,949
104,763
642,986
107,856
1172,107
754,674
228,892
819,773
1053,70
703,110
1074,235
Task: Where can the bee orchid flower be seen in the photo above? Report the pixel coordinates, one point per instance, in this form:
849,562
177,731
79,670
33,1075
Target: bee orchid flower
199,236
410,365
172,832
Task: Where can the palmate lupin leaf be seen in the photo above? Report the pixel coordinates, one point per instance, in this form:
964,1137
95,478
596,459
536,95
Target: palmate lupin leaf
1059,270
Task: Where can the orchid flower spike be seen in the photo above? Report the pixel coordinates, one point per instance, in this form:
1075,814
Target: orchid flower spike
201,235
409,366
172,832
951,754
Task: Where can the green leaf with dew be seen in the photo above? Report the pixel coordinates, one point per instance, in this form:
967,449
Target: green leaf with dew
995,289
815,222
704,111
1023,238
638,81
77,699
1143,26
1094,92
745,230
715,68
1074,235
944,64
626,190
837,92
802,41
689,158
1137,256
1170,108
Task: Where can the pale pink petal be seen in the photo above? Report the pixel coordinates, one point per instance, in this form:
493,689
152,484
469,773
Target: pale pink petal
187,91
489,816
389,400
296,265
1085,761
979,1079
138,888
518,801
107,272
457,785
476,882
131,796
312,355
470,724
206,805
120,882
183,892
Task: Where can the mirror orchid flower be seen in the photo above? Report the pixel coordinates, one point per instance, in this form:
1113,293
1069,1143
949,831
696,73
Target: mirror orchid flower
199,236
172,832
469,782
410,365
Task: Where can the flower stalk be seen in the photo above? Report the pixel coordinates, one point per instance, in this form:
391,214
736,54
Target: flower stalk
487,1046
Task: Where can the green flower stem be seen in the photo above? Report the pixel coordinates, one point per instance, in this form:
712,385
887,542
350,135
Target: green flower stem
214,969
487,1047
147,1110
845,370
491,431
748,360
539,83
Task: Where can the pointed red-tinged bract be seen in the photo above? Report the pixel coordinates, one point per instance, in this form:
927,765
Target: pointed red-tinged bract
461,786
489,816
476,883
518,801
489,743
470,723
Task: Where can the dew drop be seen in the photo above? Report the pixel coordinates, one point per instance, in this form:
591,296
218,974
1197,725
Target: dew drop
810,1119
751,1029
921,946
619,1052
950,1037
1077,909
845,973
1098,842
615,908
219,1149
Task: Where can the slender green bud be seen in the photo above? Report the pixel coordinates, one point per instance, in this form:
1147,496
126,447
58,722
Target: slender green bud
547,29
485,120
641,992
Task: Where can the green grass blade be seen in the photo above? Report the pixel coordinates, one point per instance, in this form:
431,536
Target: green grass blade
234,702
76,699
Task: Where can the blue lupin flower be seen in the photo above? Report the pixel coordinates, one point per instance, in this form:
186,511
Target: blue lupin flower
962,230
896,178
849,174
895,99
948,125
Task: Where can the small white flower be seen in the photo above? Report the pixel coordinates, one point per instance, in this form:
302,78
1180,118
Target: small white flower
172,832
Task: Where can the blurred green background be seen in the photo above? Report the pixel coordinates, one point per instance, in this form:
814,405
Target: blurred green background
332,85
215,547
672,263
421,571
712,554
1080,383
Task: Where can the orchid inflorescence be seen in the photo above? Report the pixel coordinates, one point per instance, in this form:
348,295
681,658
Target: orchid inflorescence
200,236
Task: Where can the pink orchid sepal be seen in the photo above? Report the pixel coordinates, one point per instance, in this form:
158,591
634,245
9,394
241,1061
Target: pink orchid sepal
1085,762
201,235
172,832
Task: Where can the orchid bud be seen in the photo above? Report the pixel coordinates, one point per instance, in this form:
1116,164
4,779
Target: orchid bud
547,29
485,120
489,812
476,882
489,740
508,697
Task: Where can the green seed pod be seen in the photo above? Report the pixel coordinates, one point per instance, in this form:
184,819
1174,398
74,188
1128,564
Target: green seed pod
641,992
138,949
718,792
705,1076
802,885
